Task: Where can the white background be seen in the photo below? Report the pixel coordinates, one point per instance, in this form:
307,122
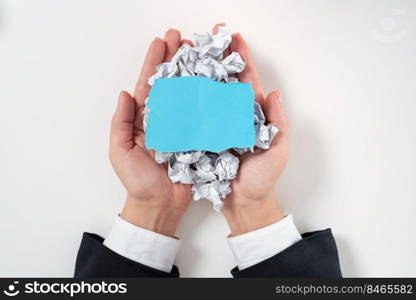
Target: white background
346,70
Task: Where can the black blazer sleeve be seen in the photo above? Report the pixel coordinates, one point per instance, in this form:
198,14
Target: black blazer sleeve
96,260
315,255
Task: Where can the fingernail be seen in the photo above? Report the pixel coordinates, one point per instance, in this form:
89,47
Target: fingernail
278,96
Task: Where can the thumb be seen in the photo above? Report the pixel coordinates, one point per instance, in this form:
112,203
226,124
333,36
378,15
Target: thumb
121,136
275,116
274,112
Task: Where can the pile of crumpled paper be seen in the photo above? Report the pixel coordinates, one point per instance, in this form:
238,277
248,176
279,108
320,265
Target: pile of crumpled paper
209,173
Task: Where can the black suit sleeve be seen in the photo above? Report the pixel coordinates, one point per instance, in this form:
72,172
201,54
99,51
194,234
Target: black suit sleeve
315,255
96,260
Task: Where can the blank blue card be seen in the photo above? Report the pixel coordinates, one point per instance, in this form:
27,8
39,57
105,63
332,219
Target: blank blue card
196,113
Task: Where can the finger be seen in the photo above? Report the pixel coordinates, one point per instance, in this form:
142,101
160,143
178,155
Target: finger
276,116
154,57
187,42
122,123
274,112
216,26
215,31
172,40
249,73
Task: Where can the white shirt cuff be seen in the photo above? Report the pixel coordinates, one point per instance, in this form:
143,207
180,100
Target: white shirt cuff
258,245
143,246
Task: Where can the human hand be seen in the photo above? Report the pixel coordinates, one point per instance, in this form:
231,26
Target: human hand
252,203
153,201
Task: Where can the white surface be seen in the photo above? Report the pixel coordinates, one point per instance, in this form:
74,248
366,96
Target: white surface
347,73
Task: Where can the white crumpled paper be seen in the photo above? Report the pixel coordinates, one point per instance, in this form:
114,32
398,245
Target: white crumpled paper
209,173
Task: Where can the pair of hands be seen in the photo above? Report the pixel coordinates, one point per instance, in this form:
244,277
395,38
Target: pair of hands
157,204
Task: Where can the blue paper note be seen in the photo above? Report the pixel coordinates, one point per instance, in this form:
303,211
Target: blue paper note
196,113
